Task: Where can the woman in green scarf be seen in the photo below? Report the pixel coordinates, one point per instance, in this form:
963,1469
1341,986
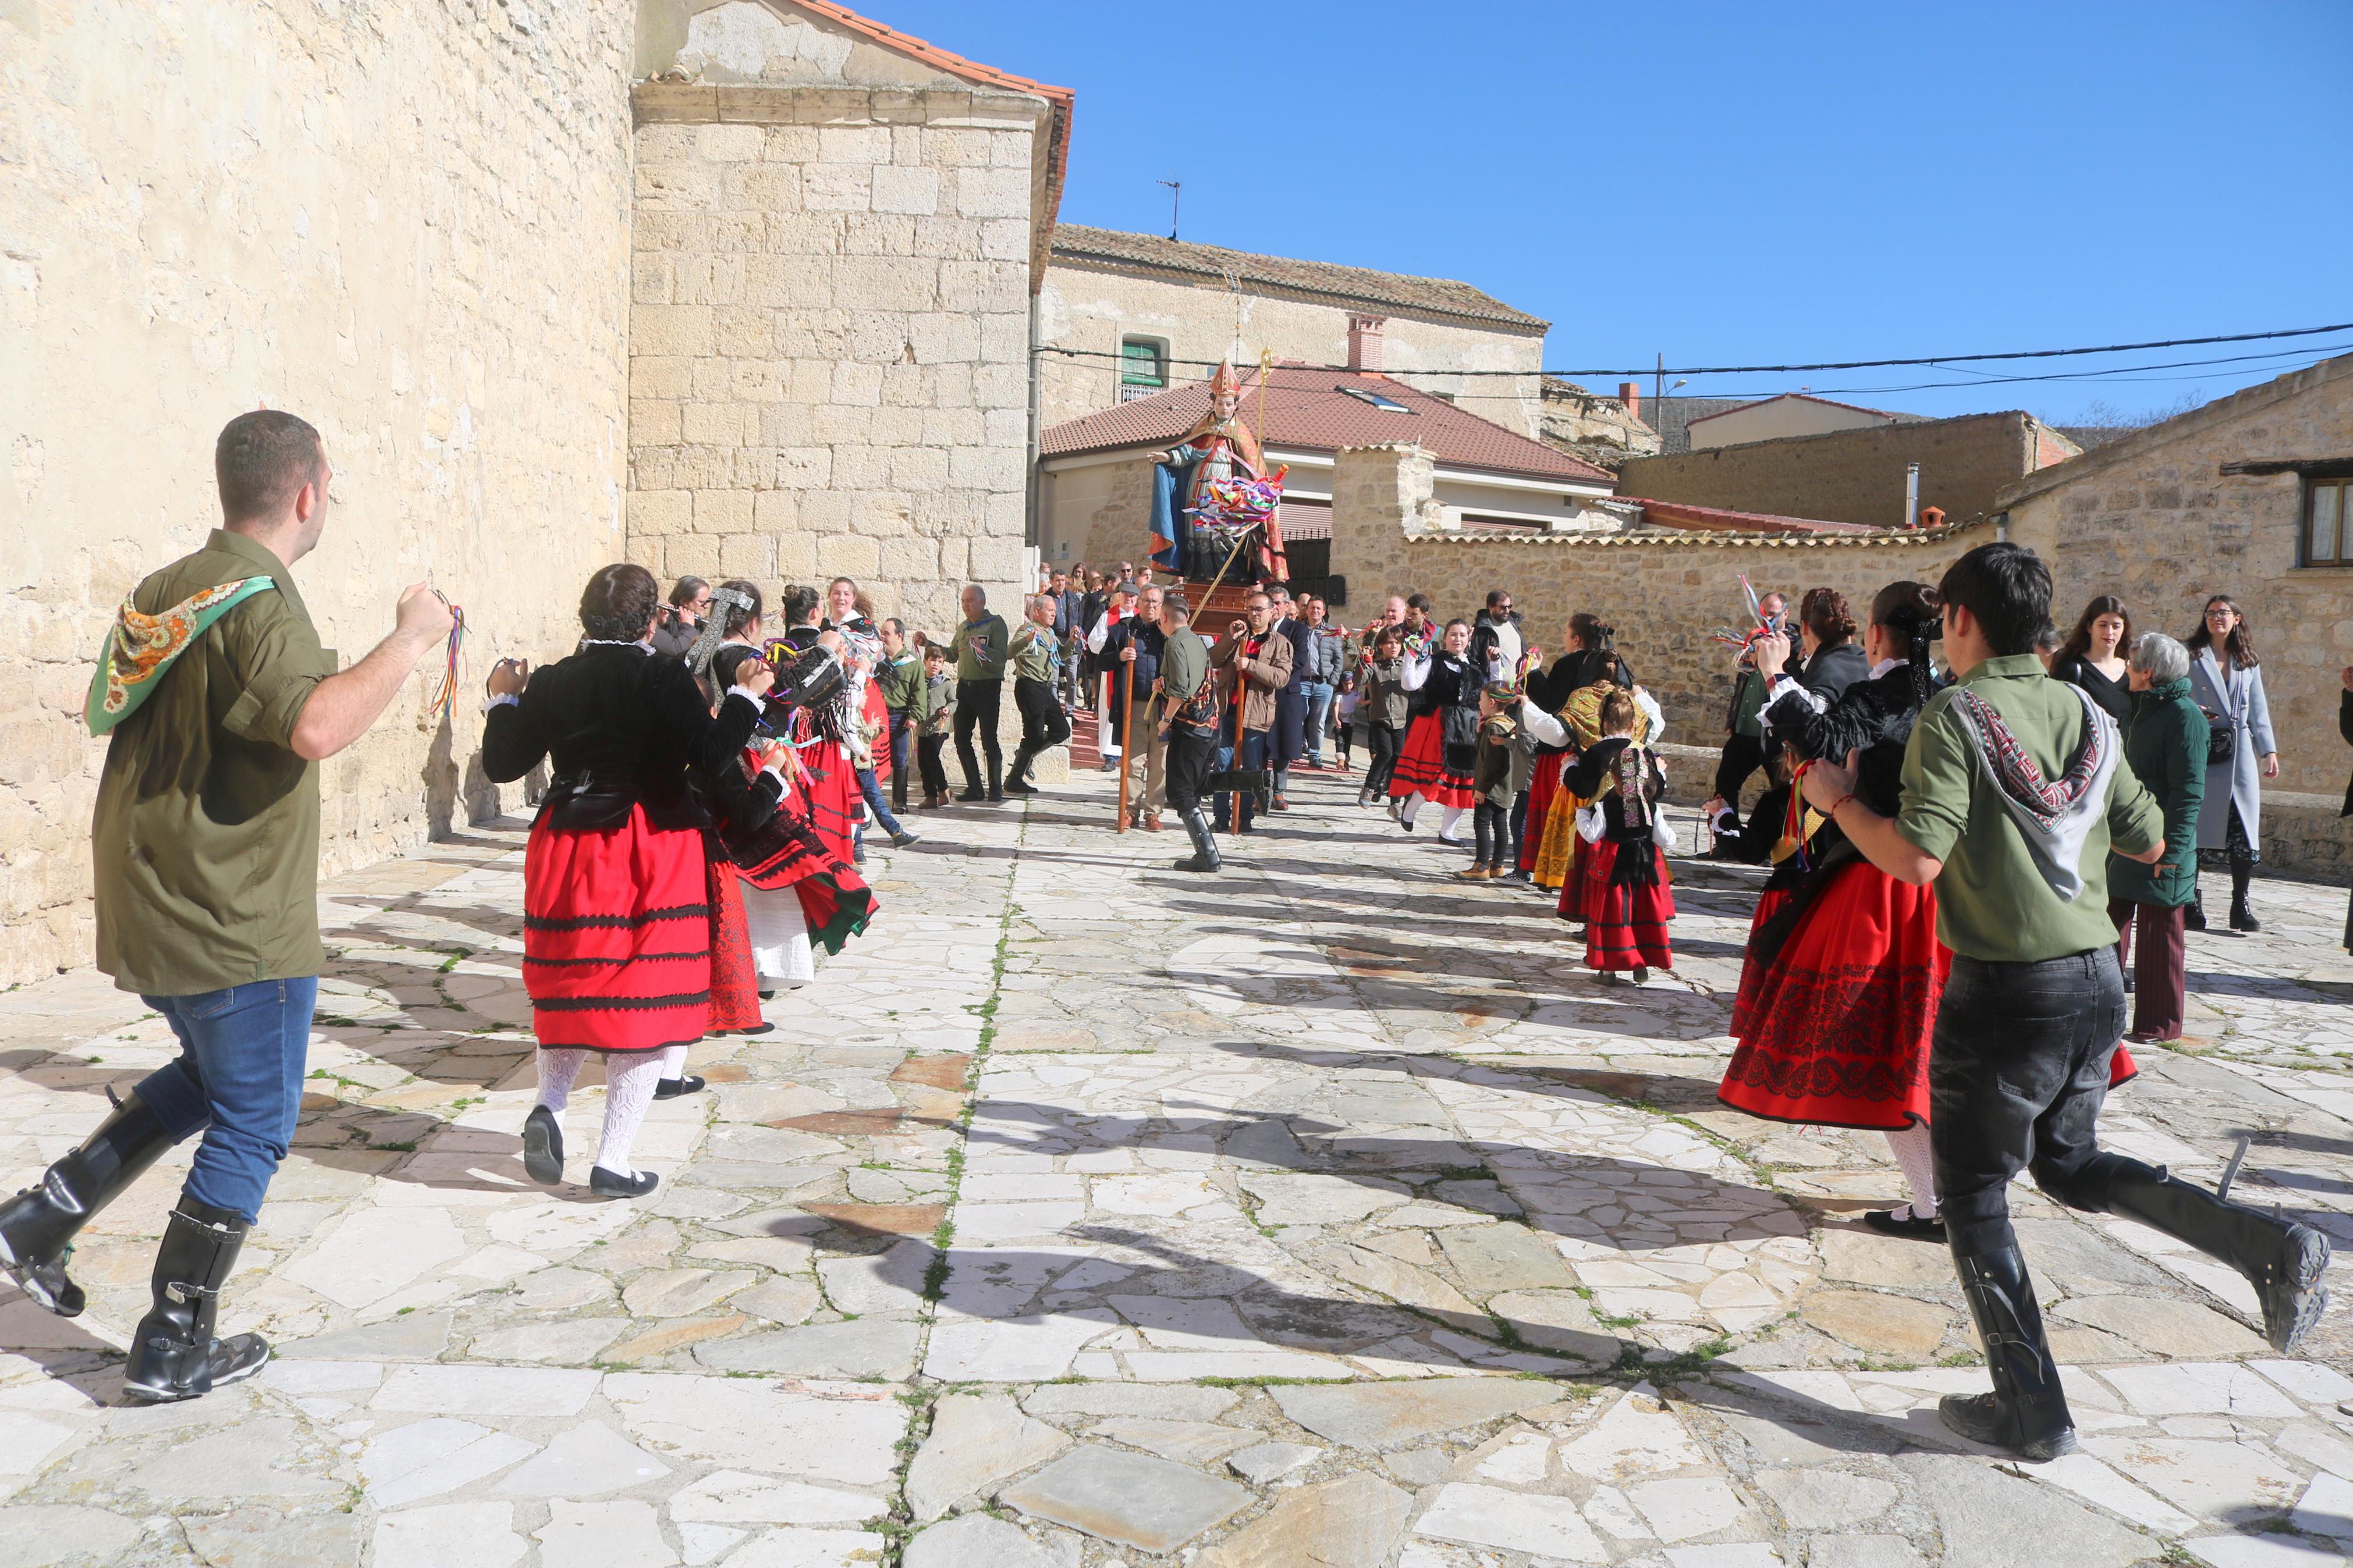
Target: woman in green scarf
2165,746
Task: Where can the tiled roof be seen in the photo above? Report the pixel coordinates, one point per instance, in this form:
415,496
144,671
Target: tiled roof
1307,408
1679,514
1358,285
1058,147
1671,417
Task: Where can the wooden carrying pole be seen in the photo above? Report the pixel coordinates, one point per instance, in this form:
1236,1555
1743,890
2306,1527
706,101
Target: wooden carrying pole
1124,674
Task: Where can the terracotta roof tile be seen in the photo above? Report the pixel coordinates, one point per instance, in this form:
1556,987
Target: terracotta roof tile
1361,285
1679,514
1802,398
1307,408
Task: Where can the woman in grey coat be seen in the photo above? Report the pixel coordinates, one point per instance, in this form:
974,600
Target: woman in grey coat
2227,681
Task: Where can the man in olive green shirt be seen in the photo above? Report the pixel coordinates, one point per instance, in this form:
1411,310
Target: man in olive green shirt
980,647
1043,723
2014,791
206,843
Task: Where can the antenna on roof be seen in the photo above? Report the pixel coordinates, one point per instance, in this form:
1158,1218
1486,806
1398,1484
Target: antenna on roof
1176,194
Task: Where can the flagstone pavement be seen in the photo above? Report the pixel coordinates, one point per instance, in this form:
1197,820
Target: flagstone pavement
1087,1213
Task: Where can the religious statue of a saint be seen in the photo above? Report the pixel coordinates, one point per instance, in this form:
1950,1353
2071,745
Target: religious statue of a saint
1208,487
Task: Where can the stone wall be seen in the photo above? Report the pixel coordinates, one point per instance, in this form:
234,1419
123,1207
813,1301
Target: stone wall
1093,306
2154,520
1857,476
364,226
1599,429
828,343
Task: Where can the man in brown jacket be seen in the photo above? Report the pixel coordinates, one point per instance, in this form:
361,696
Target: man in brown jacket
1252,666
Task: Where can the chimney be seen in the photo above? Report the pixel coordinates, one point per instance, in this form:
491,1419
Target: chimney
1631,394
1364,343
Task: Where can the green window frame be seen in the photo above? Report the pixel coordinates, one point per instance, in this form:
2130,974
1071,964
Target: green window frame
1143,367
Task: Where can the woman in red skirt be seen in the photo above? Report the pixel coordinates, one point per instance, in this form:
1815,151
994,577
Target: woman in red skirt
616,916
1626,904
1441,735
1837,993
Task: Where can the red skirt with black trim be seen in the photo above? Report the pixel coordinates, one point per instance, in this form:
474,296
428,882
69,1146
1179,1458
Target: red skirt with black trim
1421,766
616,936
1836,1032
735,984
806,846
1626,923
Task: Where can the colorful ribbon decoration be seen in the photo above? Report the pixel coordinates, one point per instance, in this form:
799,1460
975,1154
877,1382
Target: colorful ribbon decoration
438,706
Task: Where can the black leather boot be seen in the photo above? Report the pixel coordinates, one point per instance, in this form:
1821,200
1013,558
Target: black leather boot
2027,1411
1205,843
2241,917
996,782
2193,914
38,1224
1016,777
174,1355
2282,1259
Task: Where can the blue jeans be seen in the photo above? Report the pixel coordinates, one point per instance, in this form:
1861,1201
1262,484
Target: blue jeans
239,1080
1319,708
871,788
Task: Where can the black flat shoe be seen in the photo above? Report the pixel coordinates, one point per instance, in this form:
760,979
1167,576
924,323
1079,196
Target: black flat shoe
672,1088
543,1146
605,1184
762,1028
1911,1226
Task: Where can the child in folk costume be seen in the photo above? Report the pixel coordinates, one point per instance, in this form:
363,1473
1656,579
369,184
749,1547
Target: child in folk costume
866,718
1622,875
616,949
1442,738
1382,703
1496,778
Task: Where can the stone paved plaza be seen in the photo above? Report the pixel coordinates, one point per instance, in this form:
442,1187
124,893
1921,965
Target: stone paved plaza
1322,1213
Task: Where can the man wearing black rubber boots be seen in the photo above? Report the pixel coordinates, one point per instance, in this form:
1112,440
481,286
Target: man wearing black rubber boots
218,701
2013,792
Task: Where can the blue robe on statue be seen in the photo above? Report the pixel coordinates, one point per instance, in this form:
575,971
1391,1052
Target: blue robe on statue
1172,525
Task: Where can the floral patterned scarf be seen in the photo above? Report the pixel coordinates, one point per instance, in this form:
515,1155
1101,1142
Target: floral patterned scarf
139,648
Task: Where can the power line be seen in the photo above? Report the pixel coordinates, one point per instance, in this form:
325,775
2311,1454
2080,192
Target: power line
1933,362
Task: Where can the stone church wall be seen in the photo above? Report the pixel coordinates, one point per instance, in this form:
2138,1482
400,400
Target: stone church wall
407,223
828,343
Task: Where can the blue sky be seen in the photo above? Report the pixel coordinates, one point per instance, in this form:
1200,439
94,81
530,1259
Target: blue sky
1746,184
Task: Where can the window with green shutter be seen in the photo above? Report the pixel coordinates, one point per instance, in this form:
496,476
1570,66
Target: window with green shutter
1143,368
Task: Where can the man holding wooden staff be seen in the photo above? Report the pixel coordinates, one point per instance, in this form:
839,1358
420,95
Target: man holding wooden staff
1132,650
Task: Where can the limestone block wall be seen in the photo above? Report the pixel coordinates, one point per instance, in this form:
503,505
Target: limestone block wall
828,338
1092,307
407,223
2153,520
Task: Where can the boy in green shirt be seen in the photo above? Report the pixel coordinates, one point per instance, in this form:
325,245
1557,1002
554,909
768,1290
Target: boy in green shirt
2014,793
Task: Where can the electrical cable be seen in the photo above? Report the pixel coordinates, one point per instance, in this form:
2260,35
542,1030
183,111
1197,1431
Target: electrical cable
1932,361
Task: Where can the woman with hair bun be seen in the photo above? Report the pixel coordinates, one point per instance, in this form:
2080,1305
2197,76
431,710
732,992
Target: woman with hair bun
1838,990
616,924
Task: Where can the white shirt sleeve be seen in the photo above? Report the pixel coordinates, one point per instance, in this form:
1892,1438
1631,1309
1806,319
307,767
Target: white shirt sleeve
504,699
1545,727
1650,705
1780,686
1416,672
1095,637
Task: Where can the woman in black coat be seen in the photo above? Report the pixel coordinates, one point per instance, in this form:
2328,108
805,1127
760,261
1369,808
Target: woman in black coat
616,933
1592,657
1839,989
